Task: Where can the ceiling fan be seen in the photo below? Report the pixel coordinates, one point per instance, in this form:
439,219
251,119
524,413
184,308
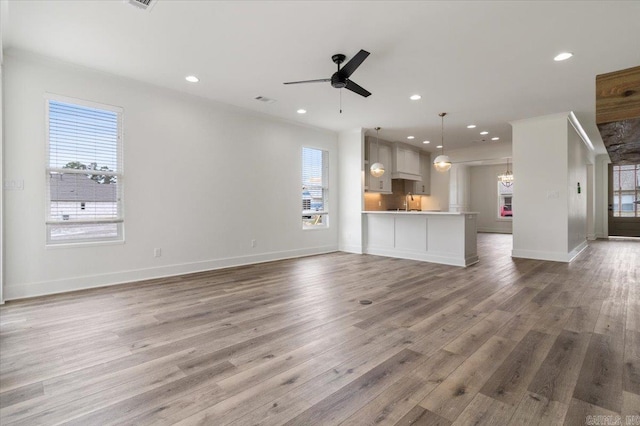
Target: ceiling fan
340,79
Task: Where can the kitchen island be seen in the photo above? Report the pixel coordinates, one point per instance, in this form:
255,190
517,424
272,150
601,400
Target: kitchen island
439,237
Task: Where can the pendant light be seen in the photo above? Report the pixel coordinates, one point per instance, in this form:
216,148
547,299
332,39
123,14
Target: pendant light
506,178
377,169
442,162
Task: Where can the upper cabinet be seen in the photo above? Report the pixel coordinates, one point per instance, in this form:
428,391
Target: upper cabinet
422,187
377,153
406,162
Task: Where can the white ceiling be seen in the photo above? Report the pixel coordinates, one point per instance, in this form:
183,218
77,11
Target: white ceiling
485,63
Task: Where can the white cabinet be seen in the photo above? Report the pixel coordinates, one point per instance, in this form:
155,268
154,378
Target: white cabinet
377,153
422,187
406,162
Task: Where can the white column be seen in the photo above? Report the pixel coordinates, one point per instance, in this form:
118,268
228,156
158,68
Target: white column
459,188
351,186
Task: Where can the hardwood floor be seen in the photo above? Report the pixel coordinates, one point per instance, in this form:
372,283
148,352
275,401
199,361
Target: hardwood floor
507,341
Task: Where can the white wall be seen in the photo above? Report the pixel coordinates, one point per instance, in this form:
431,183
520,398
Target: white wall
351,183
1,181
577,202
484,198
549,216
201,181
439,198
441,182
540,196
459,188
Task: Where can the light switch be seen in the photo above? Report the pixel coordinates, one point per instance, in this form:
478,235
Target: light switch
14,185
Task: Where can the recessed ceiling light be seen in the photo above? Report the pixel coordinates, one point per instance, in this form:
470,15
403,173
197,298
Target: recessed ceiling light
484,132
415,97
439,146
302,111
426,142
471,126
495,139
192,79
411,137
563,56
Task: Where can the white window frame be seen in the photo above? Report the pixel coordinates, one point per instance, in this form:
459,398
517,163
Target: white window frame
500,198
119,220
324,214
619,193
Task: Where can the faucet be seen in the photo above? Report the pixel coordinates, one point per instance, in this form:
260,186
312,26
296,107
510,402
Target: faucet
406,201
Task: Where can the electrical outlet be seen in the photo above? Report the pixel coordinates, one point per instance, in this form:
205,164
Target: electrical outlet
157,252
379,203
253,243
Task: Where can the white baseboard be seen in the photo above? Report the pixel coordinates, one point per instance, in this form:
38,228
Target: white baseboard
351,249
41,288
547,255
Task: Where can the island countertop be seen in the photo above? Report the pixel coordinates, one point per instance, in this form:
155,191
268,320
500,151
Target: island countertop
440,237
414,212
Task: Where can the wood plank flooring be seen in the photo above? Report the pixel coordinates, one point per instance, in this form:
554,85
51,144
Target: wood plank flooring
506,341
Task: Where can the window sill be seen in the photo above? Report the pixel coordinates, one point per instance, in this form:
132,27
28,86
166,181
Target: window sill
82,244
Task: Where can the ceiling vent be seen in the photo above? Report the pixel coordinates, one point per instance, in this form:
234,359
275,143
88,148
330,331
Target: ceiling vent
142,4
264,99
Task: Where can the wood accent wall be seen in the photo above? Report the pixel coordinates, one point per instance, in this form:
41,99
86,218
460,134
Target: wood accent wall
618,114
618,95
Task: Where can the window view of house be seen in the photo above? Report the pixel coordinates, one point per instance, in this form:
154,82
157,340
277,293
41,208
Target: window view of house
83,173
626,190
314,188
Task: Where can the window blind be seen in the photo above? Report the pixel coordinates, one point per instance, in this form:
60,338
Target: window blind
84,173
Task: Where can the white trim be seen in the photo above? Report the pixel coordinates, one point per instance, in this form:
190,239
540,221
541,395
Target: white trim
351,249
27,290
551,256
583,135
82,102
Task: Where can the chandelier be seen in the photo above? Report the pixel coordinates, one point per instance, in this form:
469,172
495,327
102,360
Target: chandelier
506,178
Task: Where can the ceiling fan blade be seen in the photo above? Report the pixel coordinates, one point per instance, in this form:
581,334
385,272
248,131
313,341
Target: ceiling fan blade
320,80
357,89
354,63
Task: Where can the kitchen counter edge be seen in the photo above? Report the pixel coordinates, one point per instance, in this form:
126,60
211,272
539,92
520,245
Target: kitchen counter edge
425,212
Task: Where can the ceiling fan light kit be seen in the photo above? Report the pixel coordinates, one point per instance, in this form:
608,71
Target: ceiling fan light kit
442,163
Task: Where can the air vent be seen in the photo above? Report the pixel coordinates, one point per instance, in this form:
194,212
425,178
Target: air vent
264,99
142,4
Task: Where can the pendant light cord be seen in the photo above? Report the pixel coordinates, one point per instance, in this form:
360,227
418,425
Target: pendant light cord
442,114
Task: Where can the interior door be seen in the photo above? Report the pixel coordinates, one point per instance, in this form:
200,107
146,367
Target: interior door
624,197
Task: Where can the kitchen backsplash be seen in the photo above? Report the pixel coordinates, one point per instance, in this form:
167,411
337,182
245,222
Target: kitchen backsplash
383,202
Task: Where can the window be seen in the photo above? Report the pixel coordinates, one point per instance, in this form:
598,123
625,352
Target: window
84,172
314,188
626,190
505,200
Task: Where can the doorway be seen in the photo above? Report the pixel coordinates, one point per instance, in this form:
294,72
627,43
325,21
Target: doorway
624,198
